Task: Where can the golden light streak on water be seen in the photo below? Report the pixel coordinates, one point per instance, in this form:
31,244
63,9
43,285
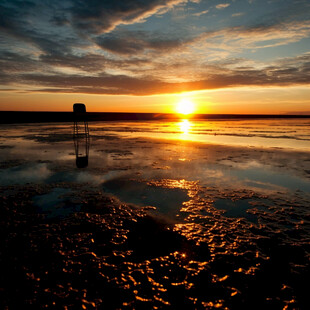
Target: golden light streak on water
185,126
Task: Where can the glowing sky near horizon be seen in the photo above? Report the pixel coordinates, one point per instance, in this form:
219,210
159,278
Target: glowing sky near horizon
237,56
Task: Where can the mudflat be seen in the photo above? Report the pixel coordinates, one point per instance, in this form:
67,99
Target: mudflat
189,214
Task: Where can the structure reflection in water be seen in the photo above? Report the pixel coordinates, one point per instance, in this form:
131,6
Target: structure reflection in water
80,135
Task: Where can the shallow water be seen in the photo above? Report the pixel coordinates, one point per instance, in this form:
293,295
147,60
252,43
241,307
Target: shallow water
45,153
54,203
167,201
161,211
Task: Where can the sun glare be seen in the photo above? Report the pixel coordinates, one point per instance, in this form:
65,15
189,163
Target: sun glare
185,126
185,106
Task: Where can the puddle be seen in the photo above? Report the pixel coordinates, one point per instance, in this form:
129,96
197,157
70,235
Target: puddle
55,204
168,201
238,208
273,178
28,173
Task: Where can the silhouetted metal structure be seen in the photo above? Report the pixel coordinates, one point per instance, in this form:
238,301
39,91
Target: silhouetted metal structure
80,116
81,135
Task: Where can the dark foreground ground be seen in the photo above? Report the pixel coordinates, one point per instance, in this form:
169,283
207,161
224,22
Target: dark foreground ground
110,255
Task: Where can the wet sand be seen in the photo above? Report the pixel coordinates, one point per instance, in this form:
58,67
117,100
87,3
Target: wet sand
153,222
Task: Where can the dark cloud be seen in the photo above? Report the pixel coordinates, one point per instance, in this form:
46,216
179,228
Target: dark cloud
50,27
30,22
133,42
99,16
13,62
89,63
286,11
58,26
235,38
276,75
51,36
10,13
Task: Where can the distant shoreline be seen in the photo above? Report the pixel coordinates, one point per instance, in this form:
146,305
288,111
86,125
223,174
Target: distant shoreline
11,117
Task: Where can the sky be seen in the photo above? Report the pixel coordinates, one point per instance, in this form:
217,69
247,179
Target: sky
236,56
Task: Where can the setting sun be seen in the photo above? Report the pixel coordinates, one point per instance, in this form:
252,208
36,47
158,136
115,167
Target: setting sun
185,106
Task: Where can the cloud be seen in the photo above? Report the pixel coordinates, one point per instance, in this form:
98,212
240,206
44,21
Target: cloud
237,39
75,46
93,16
27,25
88,62
229,40
218,43
201,13
237,14
132,43
98,16
58,27
14,62
222,6
286,72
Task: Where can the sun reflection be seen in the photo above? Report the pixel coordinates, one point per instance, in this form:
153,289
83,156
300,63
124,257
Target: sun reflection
185,126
